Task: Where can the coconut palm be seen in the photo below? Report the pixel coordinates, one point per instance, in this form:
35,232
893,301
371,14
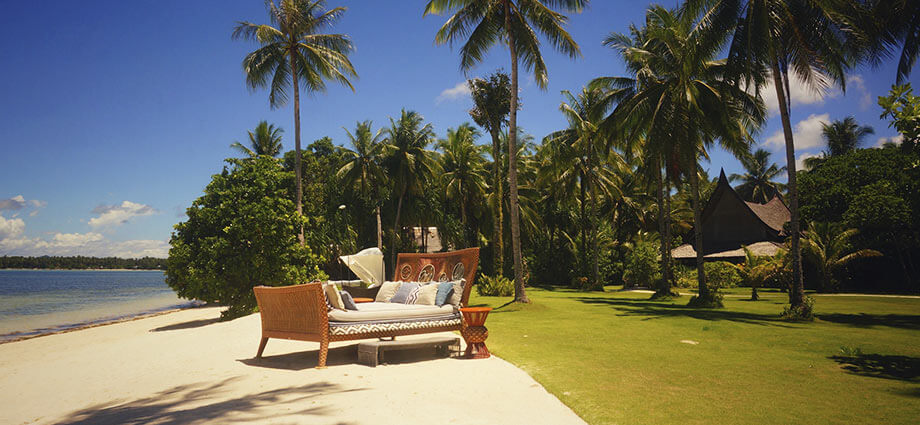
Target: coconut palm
891,24
362,170
845,136
770,39
841,137
463,171
830,249
294,54
480,24
757,181
585,165
491,106
264,140
684,97
408,162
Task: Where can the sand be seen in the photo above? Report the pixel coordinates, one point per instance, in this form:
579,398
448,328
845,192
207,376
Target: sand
185,367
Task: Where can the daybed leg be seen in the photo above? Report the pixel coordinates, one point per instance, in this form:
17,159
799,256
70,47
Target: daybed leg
262,347
323,352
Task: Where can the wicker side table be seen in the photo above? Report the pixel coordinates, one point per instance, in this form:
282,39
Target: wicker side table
475,332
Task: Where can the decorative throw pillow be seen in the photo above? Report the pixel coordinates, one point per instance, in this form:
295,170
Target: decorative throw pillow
427,294
443,294
348,301
404,291
333,297
457,294
387,290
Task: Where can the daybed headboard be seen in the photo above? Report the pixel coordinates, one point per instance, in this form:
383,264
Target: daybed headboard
439,266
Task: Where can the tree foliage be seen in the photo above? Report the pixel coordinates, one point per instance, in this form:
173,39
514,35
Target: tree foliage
241,233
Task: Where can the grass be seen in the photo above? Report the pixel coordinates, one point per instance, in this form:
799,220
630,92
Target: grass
617,358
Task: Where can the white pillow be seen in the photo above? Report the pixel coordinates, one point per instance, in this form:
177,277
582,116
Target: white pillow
387,290
427,294
333,295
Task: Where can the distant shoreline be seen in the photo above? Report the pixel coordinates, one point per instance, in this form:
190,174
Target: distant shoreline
88,270
22,336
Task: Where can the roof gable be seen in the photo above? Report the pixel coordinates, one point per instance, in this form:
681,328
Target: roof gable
773,215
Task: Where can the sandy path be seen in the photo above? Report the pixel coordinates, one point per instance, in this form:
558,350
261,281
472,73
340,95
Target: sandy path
185,367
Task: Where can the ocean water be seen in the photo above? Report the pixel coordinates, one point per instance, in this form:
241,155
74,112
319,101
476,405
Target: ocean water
35,302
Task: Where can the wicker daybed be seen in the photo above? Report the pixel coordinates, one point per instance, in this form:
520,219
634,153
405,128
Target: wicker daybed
300,312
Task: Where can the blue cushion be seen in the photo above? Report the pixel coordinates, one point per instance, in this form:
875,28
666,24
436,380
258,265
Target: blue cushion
348,301
402,294
445,289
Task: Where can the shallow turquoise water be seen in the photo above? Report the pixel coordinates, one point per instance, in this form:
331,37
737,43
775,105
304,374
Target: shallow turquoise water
35,302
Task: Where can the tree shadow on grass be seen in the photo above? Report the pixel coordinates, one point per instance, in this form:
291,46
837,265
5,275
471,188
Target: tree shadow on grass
654,310
900,368
903,321
196,403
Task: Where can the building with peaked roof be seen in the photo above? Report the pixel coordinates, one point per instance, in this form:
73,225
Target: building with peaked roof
730,222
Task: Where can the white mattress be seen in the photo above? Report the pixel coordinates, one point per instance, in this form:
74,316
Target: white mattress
389,311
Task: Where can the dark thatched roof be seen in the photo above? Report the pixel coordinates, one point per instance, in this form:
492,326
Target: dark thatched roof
774,213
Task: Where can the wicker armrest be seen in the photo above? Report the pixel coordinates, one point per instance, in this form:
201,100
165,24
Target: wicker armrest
298,309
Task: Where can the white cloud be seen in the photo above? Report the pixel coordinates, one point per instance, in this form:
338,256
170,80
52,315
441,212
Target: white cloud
856,85
67,244
19,202
799,94
459,91
800,161
115,215
894,139
11,228
806,134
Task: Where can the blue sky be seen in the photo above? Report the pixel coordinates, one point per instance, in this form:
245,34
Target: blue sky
115,114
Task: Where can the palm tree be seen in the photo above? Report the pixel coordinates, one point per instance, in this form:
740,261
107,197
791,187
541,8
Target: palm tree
488,22
845,136
362,169
683,102
841,137
830,249
295,53
770,38
463,171
491,106
409,164
265,140
893,23
757,181
586,165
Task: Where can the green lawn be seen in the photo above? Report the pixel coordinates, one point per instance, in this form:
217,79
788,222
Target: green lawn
616,357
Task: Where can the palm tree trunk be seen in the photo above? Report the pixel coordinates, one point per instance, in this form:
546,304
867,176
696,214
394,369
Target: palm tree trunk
584,231
519,293
663,287
297,159
595,272
797,291
393,248
667,232
498,246
379,230
698,234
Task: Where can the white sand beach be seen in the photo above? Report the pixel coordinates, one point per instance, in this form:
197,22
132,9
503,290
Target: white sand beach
185,367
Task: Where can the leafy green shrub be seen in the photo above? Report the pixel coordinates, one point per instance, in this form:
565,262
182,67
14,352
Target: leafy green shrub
713,301
684,277
641,268
497,286
802,313
722,274
241,233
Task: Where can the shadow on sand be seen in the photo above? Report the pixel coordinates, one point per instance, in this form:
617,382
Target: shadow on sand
194,403
186,325
655,310
338,356
900,368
